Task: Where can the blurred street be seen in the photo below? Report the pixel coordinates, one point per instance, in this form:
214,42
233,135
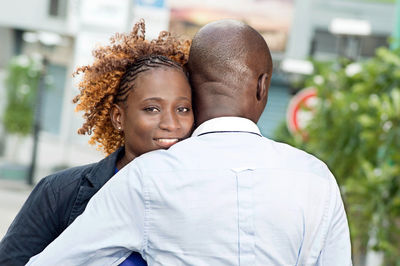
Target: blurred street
12,195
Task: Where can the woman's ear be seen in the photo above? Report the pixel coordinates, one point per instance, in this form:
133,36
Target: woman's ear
117,117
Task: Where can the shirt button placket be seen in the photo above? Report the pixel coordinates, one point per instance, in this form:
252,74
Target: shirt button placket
246,245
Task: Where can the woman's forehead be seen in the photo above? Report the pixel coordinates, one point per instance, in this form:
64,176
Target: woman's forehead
161,81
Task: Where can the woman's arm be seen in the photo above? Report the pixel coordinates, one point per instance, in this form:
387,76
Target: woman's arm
110,228
33,228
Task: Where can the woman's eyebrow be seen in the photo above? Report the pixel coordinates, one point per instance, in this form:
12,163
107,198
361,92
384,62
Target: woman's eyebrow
184,98
161,99
153,99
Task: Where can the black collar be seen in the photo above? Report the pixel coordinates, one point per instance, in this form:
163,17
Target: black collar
104,169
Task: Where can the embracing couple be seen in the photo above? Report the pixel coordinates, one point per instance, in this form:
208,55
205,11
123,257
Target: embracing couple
207,189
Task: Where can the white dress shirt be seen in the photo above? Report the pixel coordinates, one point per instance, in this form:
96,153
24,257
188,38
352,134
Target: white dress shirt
225,196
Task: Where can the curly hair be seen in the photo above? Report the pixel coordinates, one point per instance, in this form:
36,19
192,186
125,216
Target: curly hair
112,75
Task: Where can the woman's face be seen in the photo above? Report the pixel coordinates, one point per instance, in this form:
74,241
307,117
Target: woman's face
158,111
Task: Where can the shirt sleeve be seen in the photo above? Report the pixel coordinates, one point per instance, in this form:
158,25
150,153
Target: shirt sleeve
34,227
337,248
110,228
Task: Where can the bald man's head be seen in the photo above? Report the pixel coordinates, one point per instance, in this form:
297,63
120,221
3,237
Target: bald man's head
228,63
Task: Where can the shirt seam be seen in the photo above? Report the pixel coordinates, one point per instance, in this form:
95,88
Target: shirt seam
56,199
326,221
147,210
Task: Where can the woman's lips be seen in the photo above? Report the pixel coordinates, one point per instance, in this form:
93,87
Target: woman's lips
166,143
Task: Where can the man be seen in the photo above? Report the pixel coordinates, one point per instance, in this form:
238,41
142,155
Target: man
225,196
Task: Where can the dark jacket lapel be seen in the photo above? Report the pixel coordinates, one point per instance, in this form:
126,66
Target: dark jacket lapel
101,172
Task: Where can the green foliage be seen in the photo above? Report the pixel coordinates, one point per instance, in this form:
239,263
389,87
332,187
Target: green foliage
21,84
356,131
377,1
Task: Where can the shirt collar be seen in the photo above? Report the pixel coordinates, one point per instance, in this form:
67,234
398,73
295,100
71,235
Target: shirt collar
227,124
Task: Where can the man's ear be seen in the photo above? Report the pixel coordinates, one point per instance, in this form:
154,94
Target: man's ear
117,116
262,87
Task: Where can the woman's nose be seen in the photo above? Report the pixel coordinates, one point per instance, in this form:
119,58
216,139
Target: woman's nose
169,121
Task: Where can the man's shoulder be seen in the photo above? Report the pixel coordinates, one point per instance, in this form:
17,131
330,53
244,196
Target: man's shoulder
296,159
284,149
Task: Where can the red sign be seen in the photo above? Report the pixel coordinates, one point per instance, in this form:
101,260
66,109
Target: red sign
301,110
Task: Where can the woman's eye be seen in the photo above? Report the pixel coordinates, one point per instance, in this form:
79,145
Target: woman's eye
183,109
151,109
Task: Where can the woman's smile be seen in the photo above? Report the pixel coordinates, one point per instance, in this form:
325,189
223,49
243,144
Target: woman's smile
166,142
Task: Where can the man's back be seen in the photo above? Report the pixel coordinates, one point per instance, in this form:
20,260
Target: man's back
226,196
236,198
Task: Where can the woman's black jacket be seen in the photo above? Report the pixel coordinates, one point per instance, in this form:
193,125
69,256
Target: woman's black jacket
52,206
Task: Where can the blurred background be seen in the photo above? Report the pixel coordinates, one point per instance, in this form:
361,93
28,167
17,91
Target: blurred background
335,92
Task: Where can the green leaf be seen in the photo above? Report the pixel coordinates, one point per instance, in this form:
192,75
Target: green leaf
22,79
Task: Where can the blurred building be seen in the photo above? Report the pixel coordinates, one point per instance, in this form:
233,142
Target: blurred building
293,29
80,26
57,145
325,29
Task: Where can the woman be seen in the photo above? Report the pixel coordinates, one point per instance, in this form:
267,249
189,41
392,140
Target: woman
135,98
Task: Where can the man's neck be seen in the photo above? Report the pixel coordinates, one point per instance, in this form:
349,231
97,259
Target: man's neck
212,103
207,113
